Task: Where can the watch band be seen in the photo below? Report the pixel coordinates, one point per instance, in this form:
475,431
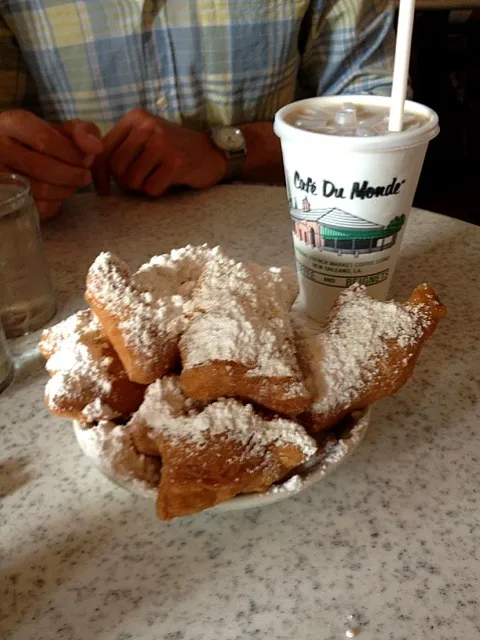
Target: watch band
235,160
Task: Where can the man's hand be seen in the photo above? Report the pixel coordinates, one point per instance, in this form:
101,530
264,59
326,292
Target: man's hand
55,158
149,154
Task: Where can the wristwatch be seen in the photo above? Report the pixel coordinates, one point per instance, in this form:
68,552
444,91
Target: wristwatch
231,141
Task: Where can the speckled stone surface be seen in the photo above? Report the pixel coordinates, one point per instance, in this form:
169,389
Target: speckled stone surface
391,538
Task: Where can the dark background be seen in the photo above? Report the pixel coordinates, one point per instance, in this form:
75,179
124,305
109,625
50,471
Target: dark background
445,75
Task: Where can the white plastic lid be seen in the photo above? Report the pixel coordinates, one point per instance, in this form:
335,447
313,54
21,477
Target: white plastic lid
285,130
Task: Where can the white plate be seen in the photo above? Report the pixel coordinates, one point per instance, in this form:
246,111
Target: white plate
336,451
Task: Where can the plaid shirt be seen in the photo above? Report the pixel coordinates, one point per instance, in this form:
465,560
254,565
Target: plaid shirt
197,62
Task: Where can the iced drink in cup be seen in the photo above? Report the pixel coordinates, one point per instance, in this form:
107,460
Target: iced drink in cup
350,187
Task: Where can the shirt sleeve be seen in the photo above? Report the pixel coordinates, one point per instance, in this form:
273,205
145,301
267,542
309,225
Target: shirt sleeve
17,88
348,49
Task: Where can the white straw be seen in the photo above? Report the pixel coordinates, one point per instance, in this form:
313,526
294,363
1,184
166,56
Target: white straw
401,66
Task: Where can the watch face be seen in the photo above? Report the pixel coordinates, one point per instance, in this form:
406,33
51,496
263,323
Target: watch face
229,138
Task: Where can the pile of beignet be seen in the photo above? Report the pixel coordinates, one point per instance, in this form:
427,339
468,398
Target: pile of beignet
190,375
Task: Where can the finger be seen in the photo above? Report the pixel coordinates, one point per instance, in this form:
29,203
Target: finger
47,209
101,176
162,178
86,136
131,147
120,131
152,155
115,137
43,167
47,191
41,136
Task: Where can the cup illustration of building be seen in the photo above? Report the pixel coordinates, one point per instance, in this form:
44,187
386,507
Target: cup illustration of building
340,232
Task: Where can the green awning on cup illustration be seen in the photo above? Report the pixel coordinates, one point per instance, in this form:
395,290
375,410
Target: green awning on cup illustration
342,232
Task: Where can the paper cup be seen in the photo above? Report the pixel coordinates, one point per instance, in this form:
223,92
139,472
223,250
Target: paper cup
349,199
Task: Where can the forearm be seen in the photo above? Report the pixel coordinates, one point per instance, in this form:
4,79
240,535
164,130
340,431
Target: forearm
264,154
162,154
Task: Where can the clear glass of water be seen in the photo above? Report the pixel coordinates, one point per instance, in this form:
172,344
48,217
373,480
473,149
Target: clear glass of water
27,300
6,363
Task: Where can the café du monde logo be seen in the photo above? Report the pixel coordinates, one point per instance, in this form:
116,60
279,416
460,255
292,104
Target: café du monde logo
341,232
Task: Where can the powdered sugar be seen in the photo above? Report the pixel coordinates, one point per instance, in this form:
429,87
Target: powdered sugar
336,451
97,410
242,316
145,321
176,272
110,448
152,305
344,356
162,410
164,401
103,442
268,292
240,312
292,485
54,336
78,361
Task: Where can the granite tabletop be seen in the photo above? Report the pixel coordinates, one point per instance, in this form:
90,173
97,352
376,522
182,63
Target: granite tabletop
386,548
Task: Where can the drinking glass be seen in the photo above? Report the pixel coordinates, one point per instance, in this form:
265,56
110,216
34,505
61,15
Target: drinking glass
6,364
27,299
